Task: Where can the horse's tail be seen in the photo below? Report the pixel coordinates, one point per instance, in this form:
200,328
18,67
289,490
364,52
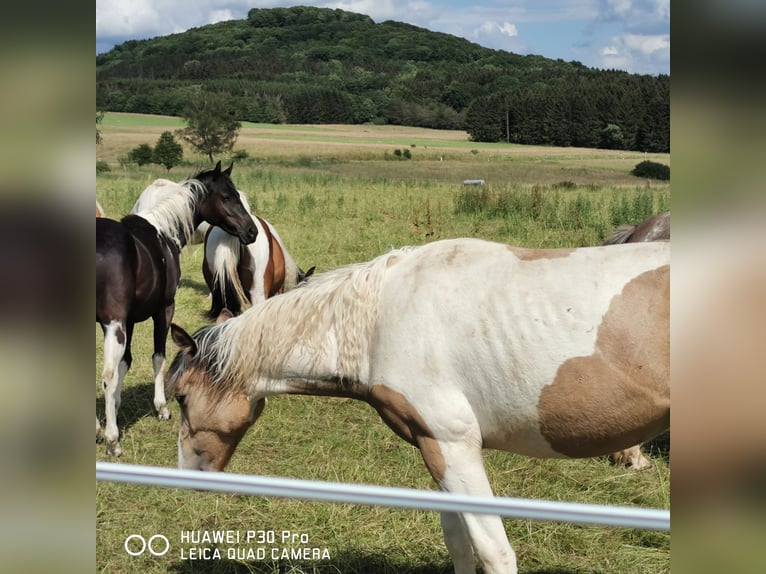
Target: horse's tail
620,235
222,253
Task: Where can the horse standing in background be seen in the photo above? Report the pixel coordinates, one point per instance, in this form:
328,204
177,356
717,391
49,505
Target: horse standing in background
240,275
655,228
138,270
458,345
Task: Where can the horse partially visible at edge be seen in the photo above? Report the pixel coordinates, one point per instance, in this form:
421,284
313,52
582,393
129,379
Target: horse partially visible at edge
240,275
138,270
554,353
655,228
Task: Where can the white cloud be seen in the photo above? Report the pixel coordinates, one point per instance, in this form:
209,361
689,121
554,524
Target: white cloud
647,44
637,53
647,16
508,29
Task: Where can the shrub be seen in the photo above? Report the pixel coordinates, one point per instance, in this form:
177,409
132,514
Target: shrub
652,170
141,155
102,166
240,155
167,151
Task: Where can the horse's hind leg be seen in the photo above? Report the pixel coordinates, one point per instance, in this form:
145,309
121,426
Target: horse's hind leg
161,326
632,457
115,367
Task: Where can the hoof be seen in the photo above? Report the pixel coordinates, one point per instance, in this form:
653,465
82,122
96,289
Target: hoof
114,449
163,414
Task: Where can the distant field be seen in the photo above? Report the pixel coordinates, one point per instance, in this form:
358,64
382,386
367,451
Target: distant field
337,197
447,152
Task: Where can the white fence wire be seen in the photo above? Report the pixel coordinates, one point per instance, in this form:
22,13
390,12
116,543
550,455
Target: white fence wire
643,518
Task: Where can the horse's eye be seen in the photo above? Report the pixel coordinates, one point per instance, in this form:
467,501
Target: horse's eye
180,399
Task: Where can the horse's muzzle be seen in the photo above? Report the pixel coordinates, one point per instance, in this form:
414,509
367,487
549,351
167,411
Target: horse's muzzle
248,235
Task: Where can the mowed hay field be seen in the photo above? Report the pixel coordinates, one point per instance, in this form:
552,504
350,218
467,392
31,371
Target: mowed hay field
339,195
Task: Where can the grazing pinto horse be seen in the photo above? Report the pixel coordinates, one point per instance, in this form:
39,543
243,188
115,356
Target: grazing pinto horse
458,344
655,228
137,274
239,275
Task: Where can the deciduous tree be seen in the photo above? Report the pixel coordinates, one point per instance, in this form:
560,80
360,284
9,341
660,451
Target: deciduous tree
167,151
211,125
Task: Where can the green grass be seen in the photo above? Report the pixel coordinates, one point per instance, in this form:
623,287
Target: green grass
336,212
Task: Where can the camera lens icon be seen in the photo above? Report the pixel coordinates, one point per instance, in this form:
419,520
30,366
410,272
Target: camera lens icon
154,545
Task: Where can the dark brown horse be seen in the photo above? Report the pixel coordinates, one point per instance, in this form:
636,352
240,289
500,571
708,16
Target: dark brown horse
656,228
138,270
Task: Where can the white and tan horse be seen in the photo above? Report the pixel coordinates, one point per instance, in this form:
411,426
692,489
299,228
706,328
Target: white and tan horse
459,345
240,275
655,228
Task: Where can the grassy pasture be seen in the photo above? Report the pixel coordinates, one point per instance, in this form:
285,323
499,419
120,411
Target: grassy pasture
337,195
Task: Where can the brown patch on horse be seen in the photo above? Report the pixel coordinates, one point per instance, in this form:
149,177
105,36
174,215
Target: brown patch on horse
274,274
525,254
619,395
399,414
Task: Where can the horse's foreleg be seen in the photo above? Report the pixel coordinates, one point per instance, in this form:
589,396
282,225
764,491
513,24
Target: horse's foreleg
161,325
458,544
115,343
463,471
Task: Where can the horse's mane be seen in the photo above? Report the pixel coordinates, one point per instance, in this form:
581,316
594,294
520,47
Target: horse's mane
173,214
331,317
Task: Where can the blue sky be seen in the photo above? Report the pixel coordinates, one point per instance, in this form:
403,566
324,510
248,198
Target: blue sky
630,35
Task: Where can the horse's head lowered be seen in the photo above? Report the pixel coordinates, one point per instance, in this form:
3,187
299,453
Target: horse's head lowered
221,204
214,416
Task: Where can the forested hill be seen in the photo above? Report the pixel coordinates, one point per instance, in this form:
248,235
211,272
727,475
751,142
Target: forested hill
316,65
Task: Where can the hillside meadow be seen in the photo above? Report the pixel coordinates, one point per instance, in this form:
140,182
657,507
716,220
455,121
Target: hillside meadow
338,195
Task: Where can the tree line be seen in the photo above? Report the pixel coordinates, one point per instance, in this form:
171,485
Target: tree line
316,65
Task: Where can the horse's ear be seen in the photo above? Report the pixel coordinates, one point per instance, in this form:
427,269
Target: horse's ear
183,339
227,171
217,168
224,315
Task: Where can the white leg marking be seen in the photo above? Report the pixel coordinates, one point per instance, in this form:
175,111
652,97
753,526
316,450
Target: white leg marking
457,542
158,363
111,377
465,474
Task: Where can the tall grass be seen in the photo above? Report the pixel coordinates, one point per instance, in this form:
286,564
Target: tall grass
338,213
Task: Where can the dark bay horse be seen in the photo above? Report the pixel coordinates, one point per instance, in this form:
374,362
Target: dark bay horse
138,270
656,228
